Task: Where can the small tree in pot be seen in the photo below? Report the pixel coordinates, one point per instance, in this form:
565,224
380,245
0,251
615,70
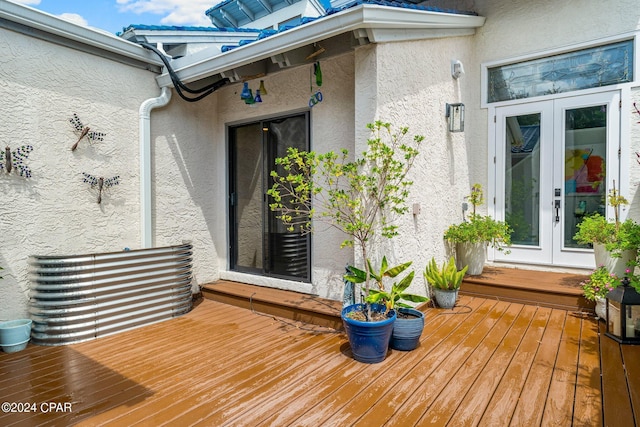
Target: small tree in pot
360,197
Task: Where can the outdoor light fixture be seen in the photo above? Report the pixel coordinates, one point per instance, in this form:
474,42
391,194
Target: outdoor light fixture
455,117
456,69
623,314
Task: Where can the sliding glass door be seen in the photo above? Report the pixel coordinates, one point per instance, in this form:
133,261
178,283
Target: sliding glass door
260,244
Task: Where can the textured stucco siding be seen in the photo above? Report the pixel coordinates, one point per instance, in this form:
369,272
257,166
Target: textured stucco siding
408,84
55,212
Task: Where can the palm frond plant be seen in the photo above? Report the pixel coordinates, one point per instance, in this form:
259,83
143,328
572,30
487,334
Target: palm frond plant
446,277
445,281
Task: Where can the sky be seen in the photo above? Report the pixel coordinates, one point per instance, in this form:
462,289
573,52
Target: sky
114,15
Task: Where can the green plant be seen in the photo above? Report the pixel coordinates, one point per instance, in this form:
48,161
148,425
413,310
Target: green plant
599,283
396,294
447,277
360,197
480,228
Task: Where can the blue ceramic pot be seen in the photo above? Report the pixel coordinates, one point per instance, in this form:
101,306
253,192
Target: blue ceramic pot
15,335
369,340
407,332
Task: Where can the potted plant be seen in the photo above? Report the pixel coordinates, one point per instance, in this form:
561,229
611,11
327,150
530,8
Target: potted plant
409,323
615,244
14,334
472,237
445,281
596,287
360,197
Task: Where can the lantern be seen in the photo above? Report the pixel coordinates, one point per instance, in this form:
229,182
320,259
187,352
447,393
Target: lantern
623,314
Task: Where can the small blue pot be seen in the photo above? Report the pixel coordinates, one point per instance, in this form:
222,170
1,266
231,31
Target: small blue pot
369,340
407,332
15,335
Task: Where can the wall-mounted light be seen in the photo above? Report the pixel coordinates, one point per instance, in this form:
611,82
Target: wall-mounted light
455,117
456,68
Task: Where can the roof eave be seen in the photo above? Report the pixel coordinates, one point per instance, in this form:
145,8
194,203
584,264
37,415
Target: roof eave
408,24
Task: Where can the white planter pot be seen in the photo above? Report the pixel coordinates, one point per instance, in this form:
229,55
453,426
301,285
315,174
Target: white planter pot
445,298
472,254
616,266
601,308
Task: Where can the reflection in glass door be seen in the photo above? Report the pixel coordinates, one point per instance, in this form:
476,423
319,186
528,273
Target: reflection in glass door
585,163
555,161
523,179
260,244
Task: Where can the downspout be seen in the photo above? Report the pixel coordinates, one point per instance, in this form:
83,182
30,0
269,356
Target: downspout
145,163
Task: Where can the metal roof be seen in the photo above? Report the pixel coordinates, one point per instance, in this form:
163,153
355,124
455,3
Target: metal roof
239,13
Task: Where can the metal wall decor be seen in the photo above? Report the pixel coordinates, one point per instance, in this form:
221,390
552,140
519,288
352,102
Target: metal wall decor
83,132
100,183
15,160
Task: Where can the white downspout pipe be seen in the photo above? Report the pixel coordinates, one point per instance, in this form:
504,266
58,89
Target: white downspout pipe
145,163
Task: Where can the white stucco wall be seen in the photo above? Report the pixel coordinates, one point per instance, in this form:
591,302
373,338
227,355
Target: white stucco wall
55,212
409,84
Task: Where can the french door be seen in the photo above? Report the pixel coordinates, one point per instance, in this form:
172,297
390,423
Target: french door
259,242
555,162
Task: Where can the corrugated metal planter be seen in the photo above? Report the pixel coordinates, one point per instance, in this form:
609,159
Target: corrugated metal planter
78,298
14,335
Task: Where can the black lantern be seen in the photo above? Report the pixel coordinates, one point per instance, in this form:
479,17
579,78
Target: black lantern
623,314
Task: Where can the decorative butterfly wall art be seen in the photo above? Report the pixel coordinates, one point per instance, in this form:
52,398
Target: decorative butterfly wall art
100,184
83,131
15,160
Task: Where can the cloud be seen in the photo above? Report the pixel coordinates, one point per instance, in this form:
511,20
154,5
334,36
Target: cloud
75,18
176,12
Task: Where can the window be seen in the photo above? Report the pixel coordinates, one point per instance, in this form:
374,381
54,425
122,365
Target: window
587,68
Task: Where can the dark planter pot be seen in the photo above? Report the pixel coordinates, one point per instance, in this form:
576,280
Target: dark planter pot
406,332
369,340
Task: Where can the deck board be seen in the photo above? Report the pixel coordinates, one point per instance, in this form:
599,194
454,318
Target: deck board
224,365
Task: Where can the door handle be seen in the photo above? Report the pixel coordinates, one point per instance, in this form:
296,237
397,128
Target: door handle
557,206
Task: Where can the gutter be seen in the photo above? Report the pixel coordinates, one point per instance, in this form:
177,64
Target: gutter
145,164
376,21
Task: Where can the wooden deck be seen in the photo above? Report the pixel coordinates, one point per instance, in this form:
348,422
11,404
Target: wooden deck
487,362
544,288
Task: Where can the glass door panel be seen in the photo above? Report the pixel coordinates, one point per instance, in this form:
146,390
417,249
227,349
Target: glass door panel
259,243
523,173
585,153
247,198
586,162
522,178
